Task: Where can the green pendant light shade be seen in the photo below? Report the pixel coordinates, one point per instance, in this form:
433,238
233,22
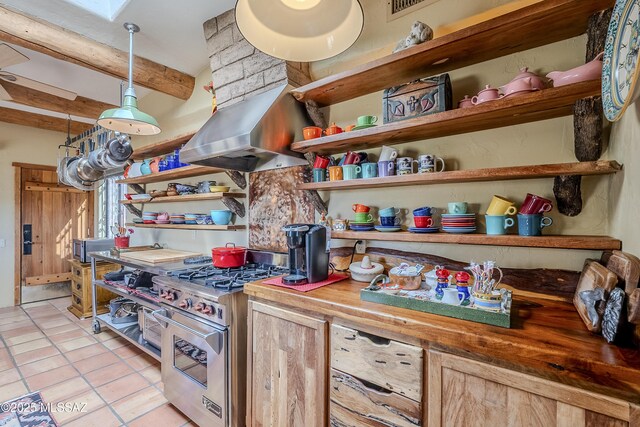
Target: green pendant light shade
128,119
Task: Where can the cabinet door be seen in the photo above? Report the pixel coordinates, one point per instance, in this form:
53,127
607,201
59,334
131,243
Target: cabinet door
287,368
468,393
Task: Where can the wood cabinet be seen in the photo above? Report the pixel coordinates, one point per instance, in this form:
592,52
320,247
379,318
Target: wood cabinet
467,393
287,368
81,288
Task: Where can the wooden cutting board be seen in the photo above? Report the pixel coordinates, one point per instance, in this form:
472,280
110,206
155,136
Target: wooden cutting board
594,275
627,268
158,256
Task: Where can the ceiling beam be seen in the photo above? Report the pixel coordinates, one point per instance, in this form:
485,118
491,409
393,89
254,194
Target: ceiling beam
60,43
81,106
41,121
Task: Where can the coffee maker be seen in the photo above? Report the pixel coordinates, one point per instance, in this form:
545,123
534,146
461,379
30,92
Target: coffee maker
308,254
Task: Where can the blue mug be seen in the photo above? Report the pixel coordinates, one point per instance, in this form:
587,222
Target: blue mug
423,211
389,221
389,211
369,170
319,174
532,225
498,224
221,217
386,168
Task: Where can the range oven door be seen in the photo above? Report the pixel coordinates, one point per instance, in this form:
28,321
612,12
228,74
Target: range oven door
195,367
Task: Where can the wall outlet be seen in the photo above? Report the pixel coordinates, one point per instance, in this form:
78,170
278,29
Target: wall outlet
361,247
3,243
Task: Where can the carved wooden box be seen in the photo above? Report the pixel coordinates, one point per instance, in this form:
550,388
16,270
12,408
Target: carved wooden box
424,96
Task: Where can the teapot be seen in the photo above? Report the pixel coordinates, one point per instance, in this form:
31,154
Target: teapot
518,86
333,129
487,94
537,82
592,70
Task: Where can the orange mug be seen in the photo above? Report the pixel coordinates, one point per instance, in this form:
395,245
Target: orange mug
360,208
312,132
335,173
349,128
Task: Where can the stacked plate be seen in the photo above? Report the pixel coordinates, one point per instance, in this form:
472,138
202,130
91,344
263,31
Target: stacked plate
149,217
190,218
388,228
459,223
177,218
361,226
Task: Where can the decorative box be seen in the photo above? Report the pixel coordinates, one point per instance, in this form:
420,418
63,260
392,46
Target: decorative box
418,98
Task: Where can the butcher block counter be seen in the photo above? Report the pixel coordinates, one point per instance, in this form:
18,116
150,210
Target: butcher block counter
547,358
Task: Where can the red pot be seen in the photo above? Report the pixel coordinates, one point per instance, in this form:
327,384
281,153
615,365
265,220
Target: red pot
229,256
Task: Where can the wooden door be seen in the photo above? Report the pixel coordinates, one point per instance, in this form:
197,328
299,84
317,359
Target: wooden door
287,368
56,214
468,393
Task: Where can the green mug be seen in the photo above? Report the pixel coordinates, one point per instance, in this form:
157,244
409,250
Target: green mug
367,120
319,174
350,171
369,170
363,217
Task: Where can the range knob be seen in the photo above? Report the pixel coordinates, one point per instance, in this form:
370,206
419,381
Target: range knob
171,296
200,306
185,303
209,310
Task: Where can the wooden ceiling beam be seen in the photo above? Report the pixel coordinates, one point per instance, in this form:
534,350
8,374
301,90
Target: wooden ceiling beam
40,121
60,43
81,106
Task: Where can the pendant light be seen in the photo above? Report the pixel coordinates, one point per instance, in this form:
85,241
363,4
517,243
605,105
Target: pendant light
128,119
300,30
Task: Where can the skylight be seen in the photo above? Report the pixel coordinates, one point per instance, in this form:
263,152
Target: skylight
106,9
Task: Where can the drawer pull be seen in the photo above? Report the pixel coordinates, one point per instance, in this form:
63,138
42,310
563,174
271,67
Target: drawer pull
77,300
374,338
78,286
356,383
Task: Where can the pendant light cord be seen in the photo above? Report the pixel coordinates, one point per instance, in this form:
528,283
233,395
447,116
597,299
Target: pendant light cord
131,31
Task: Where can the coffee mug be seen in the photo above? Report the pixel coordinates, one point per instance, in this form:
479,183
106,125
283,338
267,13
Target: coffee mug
389,221
386,168
423,221
423,211
366,120
319,174
404,165
351,158
321,162
350,171
335,173
533,204
363,217
340,224
312,132
392,211
349,128
498,224
163,216
388,153
369,170
427,163
501,206
532,225
457,207
360,208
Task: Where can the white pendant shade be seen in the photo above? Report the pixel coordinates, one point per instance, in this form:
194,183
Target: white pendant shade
300,30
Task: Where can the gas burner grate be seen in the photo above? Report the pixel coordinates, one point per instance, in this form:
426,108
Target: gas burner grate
229,278
198,260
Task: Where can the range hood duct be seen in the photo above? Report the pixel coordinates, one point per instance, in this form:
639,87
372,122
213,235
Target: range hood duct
251,135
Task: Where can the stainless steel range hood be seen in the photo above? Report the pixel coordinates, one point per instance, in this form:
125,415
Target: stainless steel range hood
254,134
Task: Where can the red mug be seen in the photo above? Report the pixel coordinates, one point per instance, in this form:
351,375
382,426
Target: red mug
321,162
533,204
351,158
121,242
423,221
360,208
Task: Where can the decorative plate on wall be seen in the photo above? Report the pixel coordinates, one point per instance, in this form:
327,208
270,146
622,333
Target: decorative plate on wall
620,62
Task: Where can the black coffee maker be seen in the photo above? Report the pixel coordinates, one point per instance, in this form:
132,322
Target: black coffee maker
308,254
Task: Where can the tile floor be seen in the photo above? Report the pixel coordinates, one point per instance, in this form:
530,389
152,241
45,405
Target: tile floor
45,348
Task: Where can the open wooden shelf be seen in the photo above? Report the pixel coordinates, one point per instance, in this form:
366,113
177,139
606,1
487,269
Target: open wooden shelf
162,147
541,105
184,172
190,227
602,243
185,198
601,167
536,25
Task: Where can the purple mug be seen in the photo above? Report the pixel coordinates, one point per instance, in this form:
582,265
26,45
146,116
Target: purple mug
386,168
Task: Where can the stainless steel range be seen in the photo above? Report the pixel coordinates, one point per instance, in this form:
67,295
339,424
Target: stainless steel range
204,316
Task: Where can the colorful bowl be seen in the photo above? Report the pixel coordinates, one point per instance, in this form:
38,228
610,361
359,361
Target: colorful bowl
221,217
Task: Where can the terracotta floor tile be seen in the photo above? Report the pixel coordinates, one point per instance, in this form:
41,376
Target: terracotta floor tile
105,335
17,318
12,390
131,407
107,374
160,386
58,321
49,378
166,416
30,305
8,310
9,376
19,331
115,343
30,346
84,352
153,374
78,406
122,387
43,365
33,355
68,336
96,362
64,390
24,337
16,325
103,417
76,343
141,362
60,329
127,351
6,362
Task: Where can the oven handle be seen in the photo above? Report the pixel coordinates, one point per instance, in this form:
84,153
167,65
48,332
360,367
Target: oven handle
214,339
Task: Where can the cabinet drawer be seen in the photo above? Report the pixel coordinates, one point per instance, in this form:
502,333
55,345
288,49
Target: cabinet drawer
354,403
390,364
77,287
78,303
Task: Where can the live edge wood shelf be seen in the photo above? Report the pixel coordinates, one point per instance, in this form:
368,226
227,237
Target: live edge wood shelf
541,105
183,172
558,242
190,227
161,147
601,167
536,25
185,198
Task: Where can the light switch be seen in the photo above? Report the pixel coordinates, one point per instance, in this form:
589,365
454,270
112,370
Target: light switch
3,243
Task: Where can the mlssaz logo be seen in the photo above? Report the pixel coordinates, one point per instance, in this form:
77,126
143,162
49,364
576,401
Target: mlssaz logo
212,406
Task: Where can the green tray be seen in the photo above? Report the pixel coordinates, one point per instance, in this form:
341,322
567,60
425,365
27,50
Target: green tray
403,300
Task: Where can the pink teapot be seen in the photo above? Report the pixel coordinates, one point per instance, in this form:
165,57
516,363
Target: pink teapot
537,82
485,95
590,71
518,86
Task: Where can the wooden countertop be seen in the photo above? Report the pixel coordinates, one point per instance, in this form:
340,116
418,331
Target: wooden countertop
547,338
